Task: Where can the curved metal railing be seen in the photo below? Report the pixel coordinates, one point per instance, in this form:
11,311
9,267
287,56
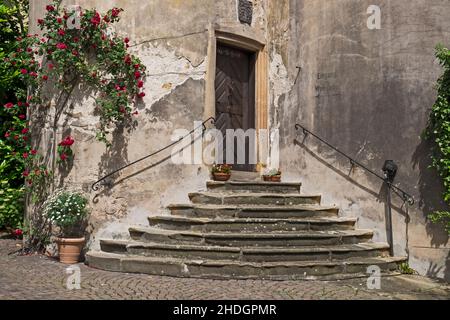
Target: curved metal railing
96,185
405,196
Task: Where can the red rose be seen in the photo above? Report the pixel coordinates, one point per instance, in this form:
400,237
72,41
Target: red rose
95,20
137,66
140,84
115,12
76,39
50,8
61,32
19,103
75,52
9,105
33,152
127,59
7,135
59,20
22,116
40,21
67,142
25,155
24,130
18,232
23,71
126,40
141,95
33,74
26,173
61,46
137,74
45,77
50,66
63,157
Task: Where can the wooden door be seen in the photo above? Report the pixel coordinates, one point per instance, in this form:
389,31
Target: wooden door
235,95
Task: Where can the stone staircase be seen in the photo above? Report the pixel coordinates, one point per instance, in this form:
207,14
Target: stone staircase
247,230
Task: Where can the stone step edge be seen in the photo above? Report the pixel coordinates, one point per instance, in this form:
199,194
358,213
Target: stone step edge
197,220
259,235
253,194
249,207
370,246
172,266
261,183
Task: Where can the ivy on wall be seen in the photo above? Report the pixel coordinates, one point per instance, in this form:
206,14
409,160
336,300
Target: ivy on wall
439,131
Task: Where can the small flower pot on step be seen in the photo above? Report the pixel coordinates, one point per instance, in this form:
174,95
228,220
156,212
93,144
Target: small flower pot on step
221,176
70,249
276,178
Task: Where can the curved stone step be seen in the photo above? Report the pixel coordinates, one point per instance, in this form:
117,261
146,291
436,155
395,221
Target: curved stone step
255,254
307,238
253,187
252,211
253,198
226,269
250,224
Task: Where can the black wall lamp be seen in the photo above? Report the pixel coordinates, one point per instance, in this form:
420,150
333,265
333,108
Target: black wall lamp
390,170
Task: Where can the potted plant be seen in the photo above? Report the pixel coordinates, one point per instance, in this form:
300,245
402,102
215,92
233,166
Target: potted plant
221,172
67,211
273,175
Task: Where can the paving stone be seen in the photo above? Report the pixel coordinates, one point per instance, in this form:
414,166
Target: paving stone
37,277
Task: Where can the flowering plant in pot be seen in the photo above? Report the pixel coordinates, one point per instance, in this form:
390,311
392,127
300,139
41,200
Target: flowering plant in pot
221,172
67,211
273,175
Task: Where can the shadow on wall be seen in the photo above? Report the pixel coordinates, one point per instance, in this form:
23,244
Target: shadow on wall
380,195
112,181
430,198
431,190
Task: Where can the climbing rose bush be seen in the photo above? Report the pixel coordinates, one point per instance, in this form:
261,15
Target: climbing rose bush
89,53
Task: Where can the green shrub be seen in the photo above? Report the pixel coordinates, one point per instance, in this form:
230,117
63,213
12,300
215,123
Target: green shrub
438,130
11,206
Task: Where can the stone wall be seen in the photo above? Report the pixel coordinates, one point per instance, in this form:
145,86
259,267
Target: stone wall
366,91
171,37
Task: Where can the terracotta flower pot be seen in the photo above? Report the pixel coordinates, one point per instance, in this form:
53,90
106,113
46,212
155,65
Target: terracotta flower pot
267,178
276,178
70,249
218,176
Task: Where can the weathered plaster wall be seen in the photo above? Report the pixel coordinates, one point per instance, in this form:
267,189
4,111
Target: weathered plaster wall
367,92
171,38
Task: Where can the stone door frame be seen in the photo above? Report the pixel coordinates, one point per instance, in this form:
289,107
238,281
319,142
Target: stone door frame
245,41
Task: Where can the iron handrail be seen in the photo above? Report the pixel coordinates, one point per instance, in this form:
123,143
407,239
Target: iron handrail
95,186
406,197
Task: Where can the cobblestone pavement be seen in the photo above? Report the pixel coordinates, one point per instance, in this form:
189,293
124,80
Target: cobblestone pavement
39,277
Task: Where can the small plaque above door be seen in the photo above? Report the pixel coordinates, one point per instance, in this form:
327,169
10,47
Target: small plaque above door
245,11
